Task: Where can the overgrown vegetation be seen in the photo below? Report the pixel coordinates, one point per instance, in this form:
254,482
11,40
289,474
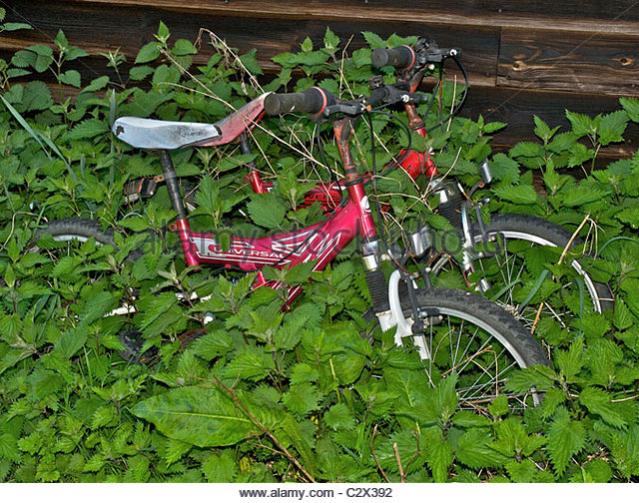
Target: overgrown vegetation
280,397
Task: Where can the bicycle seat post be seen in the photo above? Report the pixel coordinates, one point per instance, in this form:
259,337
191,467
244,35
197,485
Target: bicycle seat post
182,224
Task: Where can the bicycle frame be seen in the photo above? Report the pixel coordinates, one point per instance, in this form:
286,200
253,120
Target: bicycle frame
319,243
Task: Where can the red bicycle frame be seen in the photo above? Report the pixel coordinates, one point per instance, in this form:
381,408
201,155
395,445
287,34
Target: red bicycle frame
319,243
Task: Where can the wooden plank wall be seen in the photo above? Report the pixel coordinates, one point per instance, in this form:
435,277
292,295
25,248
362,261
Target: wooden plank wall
524,58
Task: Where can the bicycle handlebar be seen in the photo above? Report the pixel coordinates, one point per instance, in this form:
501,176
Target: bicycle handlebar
405,57
402,57
313,101
320,102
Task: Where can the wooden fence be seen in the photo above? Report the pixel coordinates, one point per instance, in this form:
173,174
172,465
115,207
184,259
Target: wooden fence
538,57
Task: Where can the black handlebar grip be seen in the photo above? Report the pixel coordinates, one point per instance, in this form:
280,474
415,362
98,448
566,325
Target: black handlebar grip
311,101
400,57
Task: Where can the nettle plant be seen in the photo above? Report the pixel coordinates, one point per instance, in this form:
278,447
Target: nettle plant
295,396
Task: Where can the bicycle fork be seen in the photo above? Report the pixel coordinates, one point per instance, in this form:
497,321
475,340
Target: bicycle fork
385,295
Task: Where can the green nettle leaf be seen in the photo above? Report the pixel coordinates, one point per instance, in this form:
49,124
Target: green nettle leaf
212,345
631,106
71,78
562,142
584,194
570,362
303,372
543,131
251,363
9,447
596,470
499,406
36,96
61,40
527,149
140,72
475,449
504,168
625,451
629,216
339,417
579,154
165,74
267,211
612,127
622,318
249,60
184,47
307,45
599,402
522,380
42,59
96,84
23,59
302,398
565,439
149,52
205,417
493,127
220,467
394,40
331,41
446,398
520,194
468,419
94,463
522,471
374,40
512,439
89,128
439,454
582,125
71,341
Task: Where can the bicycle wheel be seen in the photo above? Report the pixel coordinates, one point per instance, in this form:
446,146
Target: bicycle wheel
521,253
78,230
477,341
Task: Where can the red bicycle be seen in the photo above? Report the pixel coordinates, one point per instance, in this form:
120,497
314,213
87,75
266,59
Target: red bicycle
455,332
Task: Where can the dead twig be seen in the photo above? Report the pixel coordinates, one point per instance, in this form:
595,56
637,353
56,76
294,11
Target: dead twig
379,467
537,318
249,415
402,475
572,239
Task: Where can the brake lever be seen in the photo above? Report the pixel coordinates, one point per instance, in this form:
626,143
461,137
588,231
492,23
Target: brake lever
352,109
433,55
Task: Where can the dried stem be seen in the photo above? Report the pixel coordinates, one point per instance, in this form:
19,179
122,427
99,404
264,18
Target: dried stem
379,467
249,415
402,475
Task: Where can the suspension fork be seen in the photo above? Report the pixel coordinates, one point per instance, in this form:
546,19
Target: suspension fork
354,183
468,245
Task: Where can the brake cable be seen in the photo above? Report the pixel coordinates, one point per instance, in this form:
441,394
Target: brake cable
463,96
